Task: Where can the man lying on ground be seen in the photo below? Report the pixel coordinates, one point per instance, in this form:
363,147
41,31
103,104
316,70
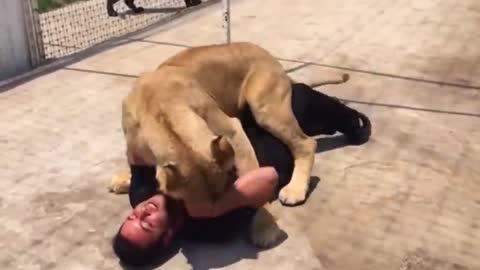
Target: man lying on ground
157,219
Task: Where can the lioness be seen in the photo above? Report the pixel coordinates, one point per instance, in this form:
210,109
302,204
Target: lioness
182,118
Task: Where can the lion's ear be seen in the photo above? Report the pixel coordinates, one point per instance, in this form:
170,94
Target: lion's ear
222,152
170,165
166,175
170,168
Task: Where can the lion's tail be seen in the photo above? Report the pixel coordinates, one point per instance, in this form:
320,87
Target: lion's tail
345,77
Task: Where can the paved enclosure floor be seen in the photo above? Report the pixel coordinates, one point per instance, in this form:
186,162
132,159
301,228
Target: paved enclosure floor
409,199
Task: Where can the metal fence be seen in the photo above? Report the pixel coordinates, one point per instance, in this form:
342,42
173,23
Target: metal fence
81,24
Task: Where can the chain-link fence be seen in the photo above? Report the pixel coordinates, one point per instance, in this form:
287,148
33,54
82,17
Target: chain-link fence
69,26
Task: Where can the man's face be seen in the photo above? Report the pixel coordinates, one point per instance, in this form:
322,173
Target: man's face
148,222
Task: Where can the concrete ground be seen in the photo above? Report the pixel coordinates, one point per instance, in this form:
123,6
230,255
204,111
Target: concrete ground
408,199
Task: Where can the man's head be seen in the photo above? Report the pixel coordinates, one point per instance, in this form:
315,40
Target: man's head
146,231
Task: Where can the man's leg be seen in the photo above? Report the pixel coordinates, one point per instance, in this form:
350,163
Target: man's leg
110,10
318,114
131,5
191,3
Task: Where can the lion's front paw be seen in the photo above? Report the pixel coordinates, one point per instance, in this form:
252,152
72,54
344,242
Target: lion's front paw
292,195
265,231
120,183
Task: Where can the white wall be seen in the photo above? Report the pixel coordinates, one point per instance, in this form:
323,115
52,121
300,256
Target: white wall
14,54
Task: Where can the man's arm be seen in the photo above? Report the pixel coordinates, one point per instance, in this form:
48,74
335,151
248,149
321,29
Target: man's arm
253,189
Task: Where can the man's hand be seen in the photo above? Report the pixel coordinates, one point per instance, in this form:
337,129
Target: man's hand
254,189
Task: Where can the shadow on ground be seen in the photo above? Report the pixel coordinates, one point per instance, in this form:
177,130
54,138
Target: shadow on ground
326,144
150,11
219,253
236,248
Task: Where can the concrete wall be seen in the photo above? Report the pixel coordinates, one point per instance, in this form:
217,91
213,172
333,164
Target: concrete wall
14,53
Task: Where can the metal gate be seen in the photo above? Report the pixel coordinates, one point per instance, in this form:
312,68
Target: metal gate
60,28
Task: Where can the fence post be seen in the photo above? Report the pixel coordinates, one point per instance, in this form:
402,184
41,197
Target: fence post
34,33
226,20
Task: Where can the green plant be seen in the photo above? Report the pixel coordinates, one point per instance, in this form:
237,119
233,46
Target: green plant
46,5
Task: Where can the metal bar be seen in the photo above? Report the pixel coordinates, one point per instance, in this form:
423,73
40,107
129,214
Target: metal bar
34,34
226,20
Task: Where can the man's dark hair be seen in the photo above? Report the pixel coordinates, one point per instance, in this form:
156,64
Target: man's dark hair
134,255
